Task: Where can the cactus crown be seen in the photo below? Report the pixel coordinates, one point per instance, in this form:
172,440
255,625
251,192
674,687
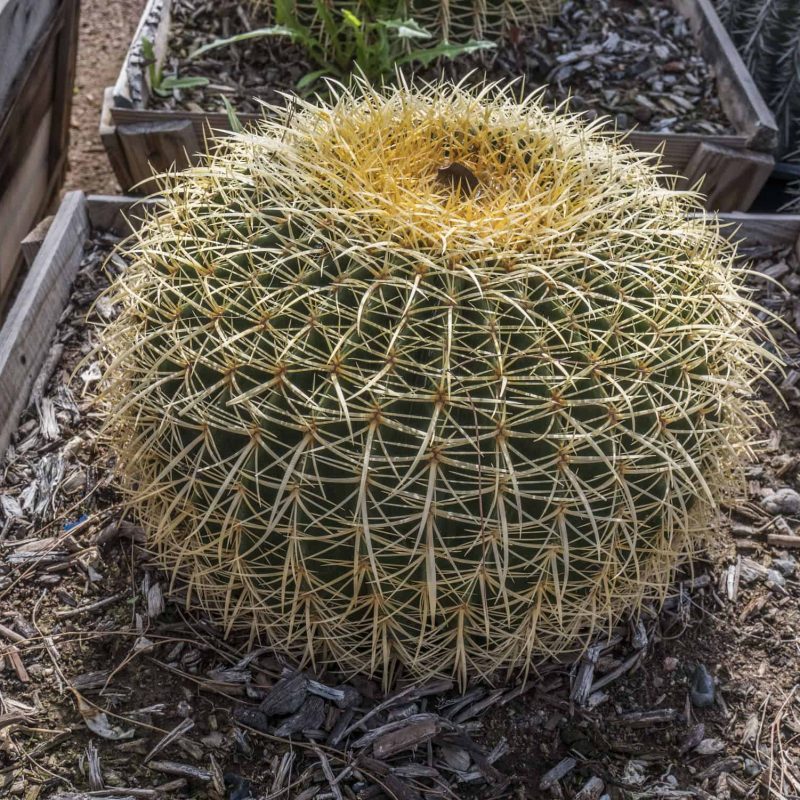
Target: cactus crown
428,377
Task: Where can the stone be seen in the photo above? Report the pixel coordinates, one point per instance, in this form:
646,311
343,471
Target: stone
784,501
709,747
752,768
786,566
775,578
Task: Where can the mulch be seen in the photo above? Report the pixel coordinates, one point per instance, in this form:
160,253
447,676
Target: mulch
632,61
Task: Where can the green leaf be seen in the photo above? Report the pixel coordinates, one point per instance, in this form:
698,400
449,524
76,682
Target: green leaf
233,121
445,50
148,51
351,18
330,27
312,77
285,14
406,28
153,72
259,33
165,87
184,83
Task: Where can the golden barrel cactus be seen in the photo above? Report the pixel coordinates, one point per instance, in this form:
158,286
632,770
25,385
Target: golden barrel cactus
432,378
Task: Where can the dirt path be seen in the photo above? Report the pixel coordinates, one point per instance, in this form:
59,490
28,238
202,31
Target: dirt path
105,33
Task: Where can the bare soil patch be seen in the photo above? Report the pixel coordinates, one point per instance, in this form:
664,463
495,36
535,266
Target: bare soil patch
106,30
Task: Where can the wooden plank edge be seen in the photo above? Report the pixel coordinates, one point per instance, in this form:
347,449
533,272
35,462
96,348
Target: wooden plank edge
780,230
131,87
26,334
113,147
32,243
729,179
118,214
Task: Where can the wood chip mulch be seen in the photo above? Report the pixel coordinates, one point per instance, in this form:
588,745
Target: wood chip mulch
633,61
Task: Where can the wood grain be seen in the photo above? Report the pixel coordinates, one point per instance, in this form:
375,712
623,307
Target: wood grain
730,179
132,89
26,335
112,144
23,25
155,147
766,229
32,168
32,243
117,214
20,204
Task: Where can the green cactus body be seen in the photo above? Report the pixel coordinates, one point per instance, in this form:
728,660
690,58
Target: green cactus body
379,421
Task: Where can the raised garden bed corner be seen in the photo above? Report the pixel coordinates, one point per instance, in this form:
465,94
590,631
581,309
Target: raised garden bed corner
731,168
26,334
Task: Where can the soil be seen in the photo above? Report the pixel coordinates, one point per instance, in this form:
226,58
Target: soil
108,685
106,30
632,61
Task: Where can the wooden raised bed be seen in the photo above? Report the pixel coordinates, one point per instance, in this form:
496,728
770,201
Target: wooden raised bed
141,141
56,254
38,47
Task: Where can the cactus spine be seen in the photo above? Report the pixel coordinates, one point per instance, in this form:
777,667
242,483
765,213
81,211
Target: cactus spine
428,377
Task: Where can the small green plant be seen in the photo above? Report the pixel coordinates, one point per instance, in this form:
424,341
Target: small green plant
163,85
367,39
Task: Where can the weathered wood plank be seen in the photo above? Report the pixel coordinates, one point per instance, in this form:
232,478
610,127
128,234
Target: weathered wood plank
32,161
156,147
20,204
26,112
22,24
117,214
113,146
64,80
730,179
32,243
26,334
677,149
766,229
741,101
132,88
